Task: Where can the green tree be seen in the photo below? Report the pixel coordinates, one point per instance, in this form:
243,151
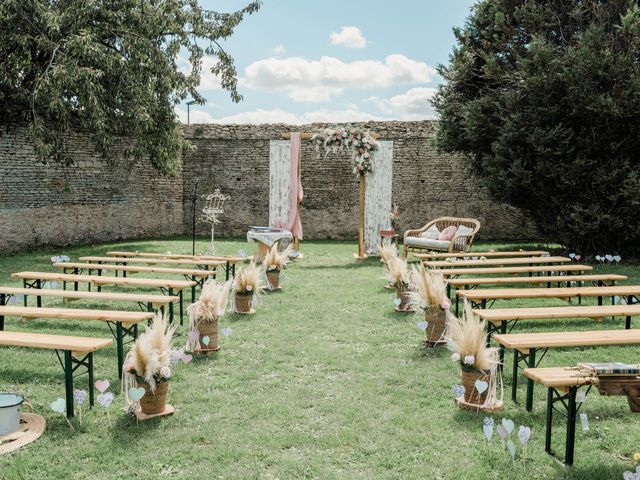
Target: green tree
544,98
110,67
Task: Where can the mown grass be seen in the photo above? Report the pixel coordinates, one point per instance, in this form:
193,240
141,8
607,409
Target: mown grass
325,381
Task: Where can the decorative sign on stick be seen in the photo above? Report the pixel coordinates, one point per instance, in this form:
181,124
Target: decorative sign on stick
213,208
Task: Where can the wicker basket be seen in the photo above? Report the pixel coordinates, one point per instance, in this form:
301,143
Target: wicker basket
151,402
469,377
403,293
243,302
436,319
273,277
209,329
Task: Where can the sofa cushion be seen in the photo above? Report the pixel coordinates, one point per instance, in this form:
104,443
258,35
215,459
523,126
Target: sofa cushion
463,231
448,233
427,243
431,233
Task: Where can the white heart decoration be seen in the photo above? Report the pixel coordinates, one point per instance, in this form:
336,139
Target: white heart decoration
481,386
572,255
609,257
617,258
508,425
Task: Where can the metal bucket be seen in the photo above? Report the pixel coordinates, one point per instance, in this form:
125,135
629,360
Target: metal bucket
10,406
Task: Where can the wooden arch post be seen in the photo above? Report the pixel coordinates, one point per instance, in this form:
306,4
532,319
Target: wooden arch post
361,196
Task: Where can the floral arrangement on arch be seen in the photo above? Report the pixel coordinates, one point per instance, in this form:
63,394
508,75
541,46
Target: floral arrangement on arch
360,141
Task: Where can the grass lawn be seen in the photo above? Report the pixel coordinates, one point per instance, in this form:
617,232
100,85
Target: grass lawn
325,381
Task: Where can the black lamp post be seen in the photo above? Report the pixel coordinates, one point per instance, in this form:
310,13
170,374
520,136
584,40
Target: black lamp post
189,103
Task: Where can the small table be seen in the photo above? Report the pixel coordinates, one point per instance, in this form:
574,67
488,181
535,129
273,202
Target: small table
392,235
266,239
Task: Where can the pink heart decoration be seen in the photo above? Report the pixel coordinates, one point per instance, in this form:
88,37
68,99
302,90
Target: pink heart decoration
578,257
186,358
102,385
194,335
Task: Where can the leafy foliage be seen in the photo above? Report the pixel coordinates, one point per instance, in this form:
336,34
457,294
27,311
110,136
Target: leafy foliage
544,97
111,67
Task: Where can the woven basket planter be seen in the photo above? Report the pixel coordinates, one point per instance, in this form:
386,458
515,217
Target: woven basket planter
243,302
403,293
273,277
151,402
436,319
209,329
469,377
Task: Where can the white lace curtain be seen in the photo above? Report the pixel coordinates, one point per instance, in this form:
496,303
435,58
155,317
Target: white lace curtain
377,189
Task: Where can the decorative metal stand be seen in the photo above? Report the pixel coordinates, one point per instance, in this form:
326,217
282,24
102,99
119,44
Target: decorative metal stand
212,210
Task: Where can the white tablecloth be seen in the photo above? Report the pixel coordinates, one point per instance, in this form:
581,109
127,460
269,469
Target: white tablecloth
269,238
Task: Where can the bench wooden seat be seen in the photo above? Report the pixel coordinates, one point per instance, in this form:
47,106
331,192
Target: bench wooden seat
470,255
126,323
455,272
568,280
77,352
497,262
630,292
230,260
149,301
202,264
196,275
526,346
167,286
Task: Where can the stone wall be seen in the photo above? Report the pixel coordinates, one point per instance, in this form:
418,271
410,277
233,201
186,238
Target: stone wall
426,184
91,202
53,205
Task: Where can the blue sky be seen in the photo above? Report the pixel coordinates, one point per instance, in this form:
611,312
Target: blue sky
335,61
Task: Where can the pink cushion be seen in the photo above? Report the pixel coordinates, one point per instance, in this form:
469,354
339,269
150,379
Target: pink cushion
448,233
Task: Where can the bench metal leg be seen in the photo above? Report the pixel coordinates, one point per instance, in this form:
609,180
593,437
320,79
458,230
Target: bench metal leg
68,382
571,427
120,333
532,364
514,380
227,270
3,301
568,401
181,306
91,382
170,293
547,437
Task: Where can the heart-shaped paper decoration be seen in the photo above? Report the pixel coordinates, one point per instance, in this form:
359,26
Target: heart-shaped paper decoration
512,449
422,325
194,335
488,432
458,391
59,405
617,258
609,257
524,434
502,433
578,257
226,331
397,302
508,425
186,358
136,394
105,399
242,253
474,258
79,396
572,255
205,340
481,386
102,385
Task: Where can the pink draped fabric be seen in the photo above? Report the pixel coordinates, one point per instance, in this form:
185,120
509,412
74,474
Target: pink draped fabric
295,224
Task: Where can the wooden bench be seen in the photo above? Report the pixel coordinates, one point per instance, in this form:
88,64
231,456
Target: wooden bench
471,255
568,280
121,324
548,269
146,302
562,385
496,262
499,318
77,352
201,264
526,347
167,286
197,276
230,260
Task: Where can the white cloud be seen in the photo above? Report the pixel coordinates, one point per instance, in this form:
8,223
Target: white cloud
208,81
350,37
195,116
415,104
277,115
320,80
278,49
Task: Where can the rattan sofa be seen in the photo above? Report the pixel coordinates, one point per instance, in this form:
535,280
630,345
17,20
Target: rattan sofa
460,243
